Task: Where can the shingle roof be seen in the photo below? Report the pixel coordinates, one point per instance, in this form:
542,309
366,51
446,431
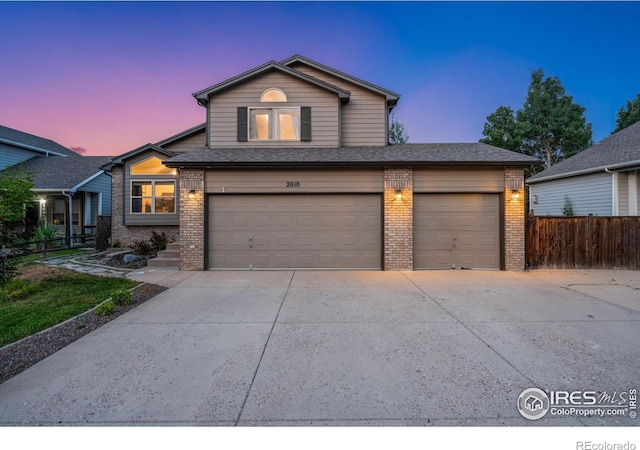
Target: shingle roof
615,151
59,173
388,155
33,142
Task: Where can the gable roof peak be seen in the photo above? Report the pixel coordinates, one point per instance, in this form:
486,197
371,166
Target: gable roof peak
202,96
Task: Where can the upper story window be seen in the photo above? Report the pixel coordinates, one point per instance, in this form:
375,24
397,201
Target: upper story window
274,124
273,95
151,166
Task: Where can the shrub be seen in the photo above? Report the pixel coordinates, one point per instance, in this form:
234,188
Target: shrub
567,209
122,297
159,241
116,244
50,232
105,309
141,247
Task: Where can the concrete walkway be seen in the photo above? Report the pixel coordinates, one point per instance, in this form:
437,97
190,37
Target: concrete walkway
342,348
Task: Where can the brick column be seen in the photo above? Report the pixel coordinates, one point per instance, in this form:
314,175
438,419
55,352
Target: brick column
192,220
514,219
398,219
118,230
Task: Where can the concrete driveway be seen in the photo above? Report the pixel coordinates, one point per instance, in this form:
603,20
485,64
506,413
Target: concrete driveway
343,348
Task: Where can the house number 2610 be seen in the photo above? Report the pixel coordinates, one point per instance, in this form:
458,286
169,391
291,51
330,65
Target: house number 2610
293,184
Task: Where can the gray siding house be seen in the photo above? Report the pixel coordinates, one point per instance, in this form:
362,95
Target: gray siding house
70,190
601,180
292,169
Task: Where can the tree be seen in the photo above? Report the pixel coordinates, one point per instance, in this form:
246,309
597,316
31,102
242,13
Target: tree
501,129
553,126
397,133
549,126
628,114
15,193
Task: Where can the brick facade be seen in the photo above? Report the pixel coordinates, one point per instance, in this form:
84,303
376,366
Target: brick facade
192,219
125,235
398,219
514,219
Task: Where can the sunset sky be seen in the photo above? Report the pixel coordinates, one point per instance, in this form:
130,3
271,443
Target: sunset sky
108,77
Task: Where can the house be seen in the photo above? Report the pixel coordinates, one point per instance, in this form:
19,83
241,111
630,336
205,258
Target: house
292,169
70,191
601,180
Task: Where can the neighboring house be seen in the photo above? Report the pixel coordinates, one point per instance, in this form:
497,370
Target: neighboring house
601,180
292,169
70,191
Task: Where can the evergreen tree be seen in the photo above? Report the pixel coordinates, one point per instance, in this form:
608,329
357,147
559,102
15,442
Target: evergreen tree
549,126
397,133
628,114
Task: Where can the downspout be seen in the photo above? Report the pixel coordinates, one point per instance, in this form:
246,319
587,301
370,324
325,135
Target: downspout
614,192
70,216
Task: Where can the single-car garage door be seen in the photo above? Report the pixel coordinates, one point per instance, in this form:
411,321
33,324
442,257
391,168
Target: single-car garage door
295,231
457,231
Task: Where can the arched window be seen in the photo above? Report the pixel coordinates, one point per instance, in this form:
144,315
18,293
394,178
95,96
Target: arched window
273,95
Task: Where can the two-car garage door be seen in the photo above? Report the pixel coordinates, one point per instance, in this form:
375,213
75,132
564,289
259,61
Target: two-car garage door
295,231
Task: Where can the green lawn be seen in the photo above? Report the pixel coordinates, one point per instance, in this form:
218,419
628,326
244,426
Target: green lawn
29,307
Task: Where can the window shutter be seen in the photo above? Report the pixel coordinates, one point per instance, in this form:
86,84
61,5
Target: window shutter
305,123
242,124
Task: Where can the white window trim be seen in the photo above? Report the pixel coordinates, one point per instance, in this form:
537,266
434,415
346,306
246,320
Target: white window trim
153,197
286,98
274,109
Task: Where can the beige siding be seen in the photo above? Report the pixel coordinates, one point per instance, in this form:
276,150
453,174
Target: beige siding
146,219
364,118
187,144
324,111
458,180
293,182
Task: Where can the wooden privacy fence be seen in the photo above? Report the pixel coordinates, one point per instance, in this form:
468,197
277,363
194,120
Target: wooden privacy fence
583,242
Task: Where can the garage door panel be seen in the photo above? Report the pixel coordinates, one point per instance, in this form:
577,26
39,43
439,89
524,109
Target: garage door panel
295,231
456,231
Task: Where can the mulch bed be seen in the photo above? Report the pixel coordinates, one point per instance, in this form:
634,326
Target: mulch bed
19,356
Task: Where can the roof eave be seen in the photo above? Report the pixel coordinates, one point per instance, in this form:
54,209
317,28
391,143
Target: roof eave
333,164
392,97
203,96
120,159
31,147
589,170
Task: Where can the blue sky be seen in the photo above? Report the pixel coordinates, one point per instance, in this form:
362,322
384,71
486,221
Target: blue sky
109,77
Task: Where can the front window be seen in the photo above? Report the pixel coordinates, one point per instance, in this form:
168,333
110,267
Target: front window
153,197
274,124
59,212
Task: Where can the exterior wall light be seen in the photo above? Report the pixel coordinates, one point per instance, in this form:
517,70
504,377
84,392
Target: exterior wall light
398,194
43,201
515,194
192,194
